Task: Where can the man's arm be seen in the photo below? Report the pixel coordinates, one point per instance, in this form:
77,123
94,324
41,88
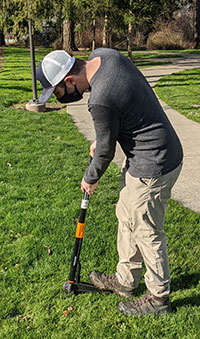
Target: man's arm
92,148
88,187
107,125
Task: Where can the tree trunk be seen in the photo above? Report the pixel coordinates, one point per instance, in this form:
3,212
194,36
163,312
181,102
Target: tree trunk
93,34
197,24
130,29
129,44
68,36
105,32
110,36
2,39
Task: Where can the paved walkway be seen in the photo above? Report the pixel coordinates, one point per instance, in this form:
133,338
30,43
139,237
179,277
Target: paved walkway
187,188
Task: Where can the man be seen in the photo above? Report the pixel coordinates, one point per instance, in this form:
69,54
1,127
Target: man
124,108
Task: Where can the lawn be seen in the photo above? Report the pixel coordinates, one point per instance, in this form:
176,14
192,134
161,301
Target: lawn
141,59
43,159
181,92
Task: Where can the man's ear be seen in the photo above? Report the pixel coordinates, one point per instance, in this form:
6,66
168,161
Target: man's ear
69,79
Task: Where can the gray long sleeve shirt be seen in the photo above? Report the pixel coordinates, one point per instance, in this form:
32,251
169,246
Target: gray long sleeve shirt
124,108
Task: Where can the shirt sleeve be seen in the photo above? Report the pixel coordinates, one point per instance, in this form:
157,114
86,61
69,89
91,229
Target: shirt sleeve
107,125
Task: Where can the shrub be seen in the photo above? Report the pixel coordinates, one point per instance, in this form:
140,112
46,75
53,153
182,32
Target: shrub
166,39
173,34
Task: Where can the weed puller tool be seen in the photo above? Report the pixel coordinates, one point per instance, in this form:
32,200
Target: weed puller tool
73,284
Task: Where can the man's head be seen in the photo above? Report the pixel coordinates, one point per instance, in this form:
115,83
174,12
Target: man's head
54,72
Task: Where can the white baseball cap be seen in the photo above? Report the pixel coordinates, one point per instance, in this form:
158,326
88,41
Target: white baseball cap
51,70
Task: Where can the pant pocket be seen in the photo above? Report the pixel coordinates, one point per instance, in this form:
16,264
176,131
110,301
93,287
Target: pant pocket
146,181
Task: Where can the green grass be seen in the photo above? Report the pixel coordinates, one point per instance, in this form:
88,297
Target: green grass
43,158
142,59
187,51
181,91
152,55
149,59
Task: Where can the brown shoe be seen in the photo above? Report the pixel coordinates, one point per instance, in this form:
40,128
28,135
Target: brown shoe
109,282
148,304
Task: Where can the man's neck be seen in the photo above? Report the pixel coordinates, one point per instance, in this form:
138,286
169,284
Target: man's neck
92,67
87,73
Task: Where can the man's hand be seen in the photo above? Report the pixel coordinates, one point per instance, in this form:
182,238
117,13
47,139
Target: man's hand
89,188
92,148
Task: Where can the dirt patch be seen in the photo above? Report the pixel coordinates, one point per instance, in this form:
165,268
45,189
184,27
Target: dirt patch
49,106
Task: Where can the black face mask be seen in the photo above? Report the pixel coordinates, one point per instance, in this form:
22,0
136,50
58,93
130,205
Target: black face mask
66,98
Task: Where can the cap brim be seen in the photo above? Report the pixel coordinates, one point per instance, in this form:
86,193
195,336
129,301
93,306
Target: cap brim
46,94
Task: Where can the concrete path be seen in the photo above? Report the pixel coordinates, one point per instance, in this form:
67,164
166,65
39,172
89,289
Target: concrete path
187,188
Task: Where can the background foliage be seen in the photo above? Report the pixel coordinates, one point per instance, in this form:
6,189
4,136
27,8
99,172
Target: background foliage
113,20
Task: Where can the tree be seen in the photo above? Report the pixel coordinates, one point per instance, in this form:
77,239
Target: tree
112,11
66,17
197,23
69,25
40,11
6,15
130,28
92,10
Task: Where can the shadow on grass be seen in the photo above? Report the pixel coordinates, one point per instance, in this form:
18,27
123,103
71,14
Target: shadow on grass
182,282
53,109
187,301
150,63
185,281
19,88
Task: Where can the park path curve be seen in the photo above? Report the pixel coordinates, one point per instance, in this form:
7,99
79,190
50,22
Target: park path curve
187,189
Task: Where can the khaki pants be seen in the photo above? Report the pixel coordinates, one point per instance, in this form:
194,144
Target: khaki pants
141,213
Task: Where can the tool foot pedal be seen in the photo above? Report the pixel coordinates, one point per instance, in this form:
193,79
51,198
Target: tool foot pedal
81,287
